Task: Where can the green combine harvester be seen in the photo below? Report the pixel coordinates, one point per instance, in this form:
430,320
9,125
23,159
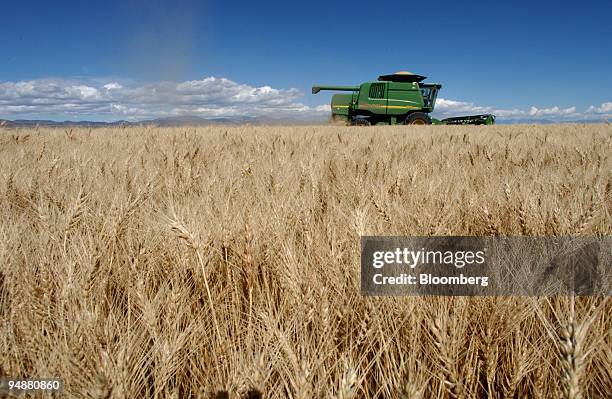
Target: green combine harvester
394,99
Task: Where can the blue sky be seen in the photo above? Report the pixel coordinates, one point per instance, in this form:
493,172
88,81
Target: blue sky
140,59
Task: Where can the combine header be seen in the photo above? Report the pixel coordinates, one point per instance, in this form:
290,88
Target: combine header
485,119
400,98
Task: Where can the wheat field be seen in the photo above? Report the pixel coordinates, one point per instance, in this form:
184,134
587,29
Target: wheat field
223,262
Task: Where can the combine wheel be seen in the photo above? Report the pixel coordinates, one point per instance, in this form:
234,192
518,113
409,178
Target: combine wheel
417,118
361,122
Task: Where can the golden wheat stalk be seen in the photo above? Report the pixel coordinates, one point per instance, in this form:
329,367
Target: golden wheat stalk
181,231
450,378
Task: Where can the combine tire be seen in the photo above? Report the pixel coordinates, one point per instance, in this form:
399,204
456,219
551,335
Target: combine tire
418,118
361,122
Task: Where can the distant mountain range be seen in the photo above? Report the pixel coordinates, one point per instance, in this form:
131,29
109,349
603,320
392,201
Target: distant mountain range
43,122
166,122
198,121
169,121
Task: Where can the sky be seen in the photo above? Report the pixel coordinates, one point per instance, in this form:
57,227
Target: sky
138,60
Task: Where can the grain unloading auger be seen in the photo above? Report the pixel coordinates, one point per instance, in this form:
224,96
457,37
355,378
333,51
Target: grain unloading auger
400,98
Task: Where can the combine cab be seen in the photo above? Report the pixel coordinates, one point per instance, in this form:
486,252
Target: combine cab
400,98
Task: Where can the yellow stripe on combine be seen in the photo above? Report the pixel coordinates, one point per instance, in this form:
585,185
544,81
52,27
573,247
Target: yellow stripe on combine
379,106
387,106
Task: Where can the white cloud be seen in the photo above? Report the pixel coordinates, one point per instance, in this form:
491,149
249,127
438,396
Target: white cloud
446,108
604,108
208,97
112,86
83,92
444,105
554,111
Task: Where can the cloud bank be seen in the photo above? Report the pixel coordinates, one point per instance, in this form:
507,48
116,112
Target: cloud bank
446,108
211,97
